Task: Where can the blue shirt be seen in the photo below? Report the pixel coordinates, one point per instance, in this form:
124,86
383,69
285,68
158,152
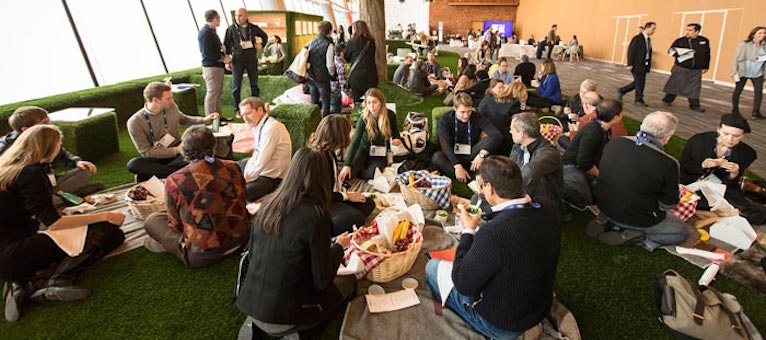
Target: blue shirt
506,77
550,87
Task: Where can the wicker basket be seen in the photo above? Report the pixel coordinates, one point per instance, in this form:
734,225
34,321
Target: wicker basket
142,209
415,196
395,264
552,129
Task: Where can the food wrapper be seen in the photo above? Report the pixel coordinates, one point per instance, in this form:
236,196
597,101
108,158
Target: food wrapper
383,181
80,209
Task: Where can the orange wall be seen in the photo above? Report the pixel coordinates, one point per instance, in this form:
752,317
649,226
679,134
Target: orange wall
594,23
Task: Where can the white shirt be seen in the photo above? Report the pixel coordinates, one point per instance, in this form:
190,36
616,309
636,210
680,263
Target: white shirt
648,47
272,150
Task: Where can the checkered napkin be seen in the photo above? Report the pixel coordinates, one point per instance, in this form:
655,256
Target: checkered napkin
440,190
370,260
550,131
685,210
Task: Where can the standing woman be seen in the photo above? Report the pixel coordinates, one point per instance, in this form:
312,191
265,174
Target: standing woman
341,35
360,54
375,131
32,263
749,64
291,284
347,208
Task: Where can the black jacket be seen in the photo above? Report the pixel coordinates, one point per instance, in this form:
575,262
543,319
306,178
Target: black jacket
586,148
233,37
210,47
292,272
419,83
365,75
701,47
702,146
637,54
478,123
318,59
526,71
543,174
64,158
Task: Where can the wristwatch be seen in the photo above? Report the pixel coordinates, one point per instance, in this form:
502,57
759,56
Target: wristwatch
482,155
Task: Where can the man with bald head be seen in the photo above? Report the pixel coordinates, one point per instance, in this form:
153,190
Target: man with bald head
241,44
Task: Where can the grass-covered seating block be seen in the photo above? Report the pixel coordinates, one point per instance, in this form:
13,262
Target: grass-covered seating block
436,113
89,133
301,120
126,98
270,86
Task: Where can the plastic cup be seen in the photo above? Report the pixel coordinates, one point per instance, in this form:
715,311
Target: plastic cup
473,210
376,290
409,283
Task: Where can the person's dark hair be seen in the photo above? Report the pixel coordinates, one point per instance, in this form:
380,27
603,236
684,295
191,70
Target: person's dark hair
649,24
421,65
504,175
325,27
753,32
197,142
492,83
502,59
278,39
608,109
210,15
360,29
482,75
26,117
697,27
155,89
524,58
555,26
309,180
332,134
574,36
339,49
463,64
469,71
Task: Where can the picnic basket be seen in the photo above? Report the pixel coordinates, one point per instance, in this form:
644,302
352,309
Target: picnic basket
142,209
550,127
434,198
392,265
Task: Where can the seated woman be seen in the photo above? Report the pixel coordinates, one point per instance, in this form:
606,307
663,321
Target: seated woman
375,132
480,86
419,81
274,53
499,106
462,149
347,208
32,263
466,79
291,284
484,54
729,162
206,220
549,90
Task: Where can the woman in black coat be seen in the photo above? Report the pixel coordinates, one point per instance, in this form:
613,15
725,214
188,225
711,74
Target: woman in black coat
365,75
291,284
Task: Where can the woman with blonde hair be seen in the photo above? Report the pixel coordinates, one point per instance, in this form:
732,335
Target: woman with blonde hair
347,208
32,263
549,91
376,131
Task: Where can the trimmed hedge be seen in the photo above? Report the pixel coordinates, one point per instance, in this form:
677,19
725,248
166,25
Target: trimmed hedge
271,87
301,120
93,138
126,98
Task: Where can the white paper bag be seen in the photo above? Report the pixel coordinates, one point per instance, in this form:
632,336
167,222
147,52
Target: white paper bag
734,230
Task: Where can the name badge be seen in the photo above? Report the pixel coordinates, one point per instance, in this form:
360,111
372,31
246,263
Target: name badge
166,141
377,151
462,149
52,178
246,44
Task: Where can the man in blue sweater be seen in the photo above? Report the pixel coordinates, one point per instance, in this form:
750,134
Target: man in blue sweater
503,272
213,60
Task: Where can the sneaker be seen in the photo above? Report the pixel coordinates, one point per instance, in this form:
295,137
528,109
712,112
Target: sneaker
641,103
595,228
14,300
56,293
153,246
697,108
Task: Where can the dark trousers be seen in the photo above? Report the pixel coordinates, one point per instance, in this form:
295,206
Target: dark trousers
364,165
535,100
440,161
693,102
239,64
37,257
347,214
638,83
757,94
320,91
145,168
261,186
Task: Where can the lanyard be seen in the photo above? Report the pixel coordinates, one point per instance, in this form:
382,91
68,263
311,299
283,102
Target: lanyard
469,130
151,129
260,132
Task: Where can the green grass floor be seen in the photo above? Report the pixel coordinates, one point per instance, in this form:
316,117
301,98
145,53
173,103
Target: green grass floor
144,295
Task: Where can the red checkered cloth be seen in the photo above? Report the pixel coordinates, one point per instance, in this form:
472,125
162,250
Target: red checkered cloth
371,261
550,131
685,210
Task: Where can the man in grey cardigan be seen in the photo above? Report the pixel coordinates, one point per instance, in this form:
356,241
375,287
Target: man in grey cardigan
155,132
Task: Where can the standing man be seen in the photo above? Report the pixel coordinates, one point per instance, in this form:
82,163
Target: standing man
322,70
639,63
240,45
692,53
552,41
213,60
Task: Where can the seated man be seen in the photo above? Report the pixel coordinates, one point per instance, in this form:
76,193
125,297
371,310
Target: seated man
638,184
155,132
584,153
723,154
201,232
461,149
73,181
502,72
432,66
575,106
526,70
402,74
271,153
504,272
588,101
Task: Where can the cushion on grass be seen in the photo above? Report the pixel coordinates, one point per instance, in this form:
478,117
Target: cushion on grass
271,87
301,120
93,138
436,113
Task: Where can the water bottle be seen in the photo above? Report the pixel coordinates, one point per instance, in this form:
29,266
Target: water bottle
216,124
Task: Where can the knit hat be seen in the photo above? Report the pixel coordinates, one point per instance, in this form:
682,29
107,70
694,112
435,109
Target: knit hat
735,120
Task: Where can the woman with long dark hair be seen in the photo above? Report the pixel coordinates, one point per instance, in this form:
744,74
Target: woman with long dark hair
360,54
348,208
291,284
749,63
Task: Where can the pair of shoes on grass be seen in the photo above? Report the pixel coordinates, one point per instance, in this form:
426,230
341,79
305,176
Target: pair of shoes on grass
15,294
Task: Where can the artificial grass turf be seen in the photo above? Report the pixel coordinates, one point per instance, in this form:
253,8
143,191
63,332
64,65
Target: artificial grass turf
145,295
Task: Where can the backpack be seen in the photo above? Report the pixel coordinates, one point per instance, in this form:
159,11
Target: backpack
415,132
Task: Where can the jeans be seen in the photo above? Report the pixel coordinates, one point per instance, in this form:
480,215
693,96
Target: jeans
214,84
336,102
145,168
670,231
462,306
320,91
639,80
757,94
241,63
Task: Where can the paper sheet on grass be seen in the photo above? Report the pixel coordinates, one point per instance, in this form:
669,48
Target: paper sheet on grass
712,256
444,280
71,240
392,301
